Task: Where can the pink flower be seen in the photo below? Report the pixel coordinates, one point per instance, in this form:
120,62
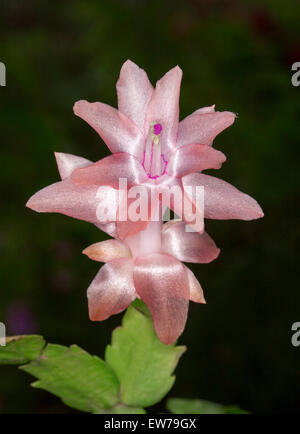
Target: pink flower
150,148
148,266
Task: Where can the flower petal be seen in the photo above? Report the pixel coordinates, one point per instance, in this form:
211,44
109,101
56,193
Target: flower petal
163,108
222,201
162,283
118,132
79,201
194,158
147,241
109,228
139,208
134,92
188,246
208,109
67,163
196,292
188,207
112,290
129,227
109,170
203,128
107,250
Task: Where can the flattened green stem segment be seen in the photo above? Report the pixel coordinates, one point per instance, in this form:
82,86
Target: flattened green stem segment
82,381
200,406
21,349
138,370
143,364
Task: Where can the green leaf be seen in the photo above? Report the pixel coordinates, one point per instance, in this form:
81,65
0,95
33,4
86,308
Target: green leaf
200,406
233,409
82,381
21,349
143,364
122,409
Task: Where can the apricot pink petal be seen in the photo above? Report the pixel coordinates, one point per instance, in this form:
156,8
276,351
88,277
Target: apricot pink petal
194,158
203,128
118,131
188,246
107,250
112,290
196,292
65,197
109,170
222,201
164,108
134,92
162,283
67,163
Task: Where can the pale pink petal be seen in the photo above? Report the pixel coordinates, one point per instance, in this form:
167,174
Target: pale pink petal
163,108
188,246
222,201
203,128
107,250
67,163
112,290
130,223
129,228
196,292
118,132
194,158
173,196
208,109
134,92
79,201
109,170
162,283
147,241
109,228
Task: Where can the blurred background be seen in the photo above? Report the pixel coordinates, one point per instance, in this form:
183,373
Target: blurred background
235,54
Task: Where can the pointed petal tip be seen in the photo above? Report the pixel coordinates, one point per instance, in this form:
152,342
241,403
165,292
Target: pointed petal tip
256,212
58,157
92,315
166,339
106,251
129,63
86,251
223,157
31,204
28,204
176,70
216,254
231,117
260,213
79,106
173,73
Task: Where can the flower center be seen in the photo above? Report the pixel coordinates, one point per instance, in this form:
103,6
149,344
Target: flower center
154,161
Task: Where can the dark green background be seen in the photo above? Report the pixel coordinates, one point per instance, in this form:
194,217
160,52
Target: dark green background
235,54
